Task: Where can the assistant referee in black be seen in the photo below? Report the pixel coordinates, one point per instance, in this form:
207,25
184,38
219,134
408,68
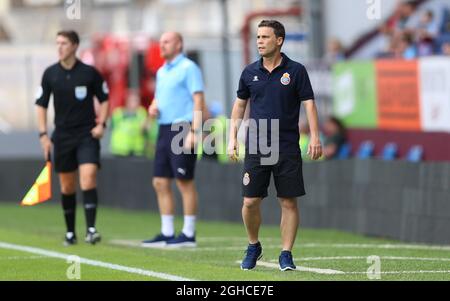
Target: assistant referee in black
78,130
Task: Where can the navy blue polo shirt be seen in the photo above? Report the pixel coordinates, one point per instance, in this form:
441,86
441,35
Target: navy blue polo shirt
276,95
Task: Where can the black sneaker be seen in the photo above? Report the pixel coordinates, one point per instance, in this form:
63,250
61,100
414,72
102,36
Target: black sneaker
286,261
70,239
182,241
92,236
253,254
158,241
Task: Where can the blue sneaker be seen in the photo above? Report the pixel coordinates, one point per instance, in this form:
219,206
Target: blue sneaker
158,241
286,261
182,241
253,254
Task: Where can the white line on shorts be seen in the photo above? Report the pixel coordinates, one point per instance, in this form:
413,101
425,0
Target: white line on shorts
91,262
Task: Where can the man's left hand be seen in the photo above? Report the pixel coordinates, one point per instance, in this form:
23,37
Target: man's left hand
98,131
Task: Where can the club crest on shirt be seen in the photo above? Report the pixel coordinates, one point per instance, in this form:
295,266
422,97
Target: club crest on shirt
246,179
285,79
81,92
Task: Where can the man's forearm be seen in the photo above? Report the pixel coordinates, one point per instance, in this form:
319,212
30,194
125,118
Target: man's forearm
199,103
237,115
42,119
103,114
313,119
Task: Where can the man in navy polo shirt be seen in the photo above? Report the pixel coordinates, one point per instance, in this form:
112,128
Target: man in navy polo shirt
178,100
275,87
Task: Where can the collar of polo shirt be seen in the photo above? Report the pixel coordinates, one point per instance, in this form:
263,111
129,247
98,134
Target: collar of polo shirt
175,61
282,64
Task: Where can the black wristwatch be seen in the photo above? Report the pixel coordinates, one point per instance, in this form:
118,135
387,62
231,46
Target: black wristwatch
42,134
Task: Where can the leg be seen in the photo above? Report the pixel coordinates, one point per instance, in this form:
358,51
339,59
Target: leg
164,194
189,196
251,214
166,204
190,200
68,198
88,183
289,222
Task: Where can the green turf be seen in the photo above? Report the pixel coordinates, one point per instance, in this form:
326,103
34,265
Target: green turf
220,247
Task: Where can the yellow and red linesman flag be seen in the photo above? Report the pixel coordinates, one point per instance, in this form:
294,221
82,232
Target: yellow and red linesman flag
41,190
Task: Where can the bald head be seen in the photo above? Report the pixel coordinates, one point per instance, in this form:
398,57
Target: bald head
171,44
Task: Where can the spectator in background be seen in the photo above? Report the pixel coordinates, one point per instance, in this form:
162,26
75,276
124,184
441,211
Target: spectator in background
426,33
404,47
128,128
446,49
335,137
403,14
335,52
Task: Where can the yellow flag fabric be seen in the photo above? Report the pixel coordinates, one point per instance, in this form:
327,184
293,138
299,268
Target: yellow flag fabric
41,190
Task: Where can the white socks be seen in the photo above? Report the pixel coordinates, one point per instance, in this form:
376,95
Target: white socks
189,225
167,227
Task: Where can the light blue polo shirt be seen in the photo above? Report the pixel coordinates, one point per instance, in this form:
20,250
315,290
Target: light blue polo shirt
176,82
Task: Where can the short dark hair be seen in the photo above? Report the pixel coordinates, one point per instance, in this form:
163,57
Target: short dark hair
278,28
71,35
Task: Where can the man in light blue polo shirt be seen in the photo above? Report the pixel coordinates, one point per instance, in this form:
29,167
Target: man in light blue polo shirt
179,95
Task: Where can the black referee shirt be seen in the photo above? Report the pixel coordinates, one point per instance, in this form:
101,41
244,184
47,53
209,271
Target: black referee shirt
73,94
276,95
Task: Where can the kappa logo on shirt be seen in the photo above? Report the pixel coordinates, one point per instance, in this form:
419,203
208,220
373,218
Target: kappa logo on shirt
81,92
255,78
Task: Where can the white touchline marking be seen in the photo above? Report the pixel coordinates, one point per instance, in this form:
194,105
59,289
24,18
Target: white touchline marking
376,246
22,257
337,272
365,257
299,268
91,262
135,243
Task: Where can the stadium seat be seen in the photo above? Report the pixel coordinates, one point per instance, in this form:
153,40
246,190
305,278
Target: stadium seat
344,151
366,150
415,154
390,152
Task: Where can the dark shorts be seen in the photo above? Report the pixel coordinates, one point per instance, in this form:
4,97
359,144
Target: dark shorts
72,148
287,174
168,164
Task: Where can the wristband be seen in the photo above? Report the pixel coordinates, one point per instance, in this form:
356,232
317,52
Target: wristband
42,134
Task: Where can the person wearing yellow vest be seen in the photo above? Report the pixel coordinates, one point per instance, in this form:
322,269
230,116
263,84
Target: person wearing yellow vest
128,128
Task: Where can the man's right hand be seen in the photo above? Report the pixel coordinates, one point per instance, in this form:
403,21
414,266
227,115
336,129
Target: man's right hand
46,145
233,150
153,111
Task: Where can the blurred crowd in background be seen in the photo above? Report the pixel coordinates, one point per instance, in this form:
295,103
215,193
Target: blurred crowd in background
121,39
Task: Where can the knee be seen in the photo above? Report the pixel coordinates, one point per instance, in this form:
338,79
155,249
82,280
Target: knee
289,204
161,185
68,188
251,203
88,181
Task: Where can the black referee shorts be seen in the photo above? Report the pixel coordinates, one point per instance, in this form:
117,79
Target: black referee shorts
287,174
71,149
